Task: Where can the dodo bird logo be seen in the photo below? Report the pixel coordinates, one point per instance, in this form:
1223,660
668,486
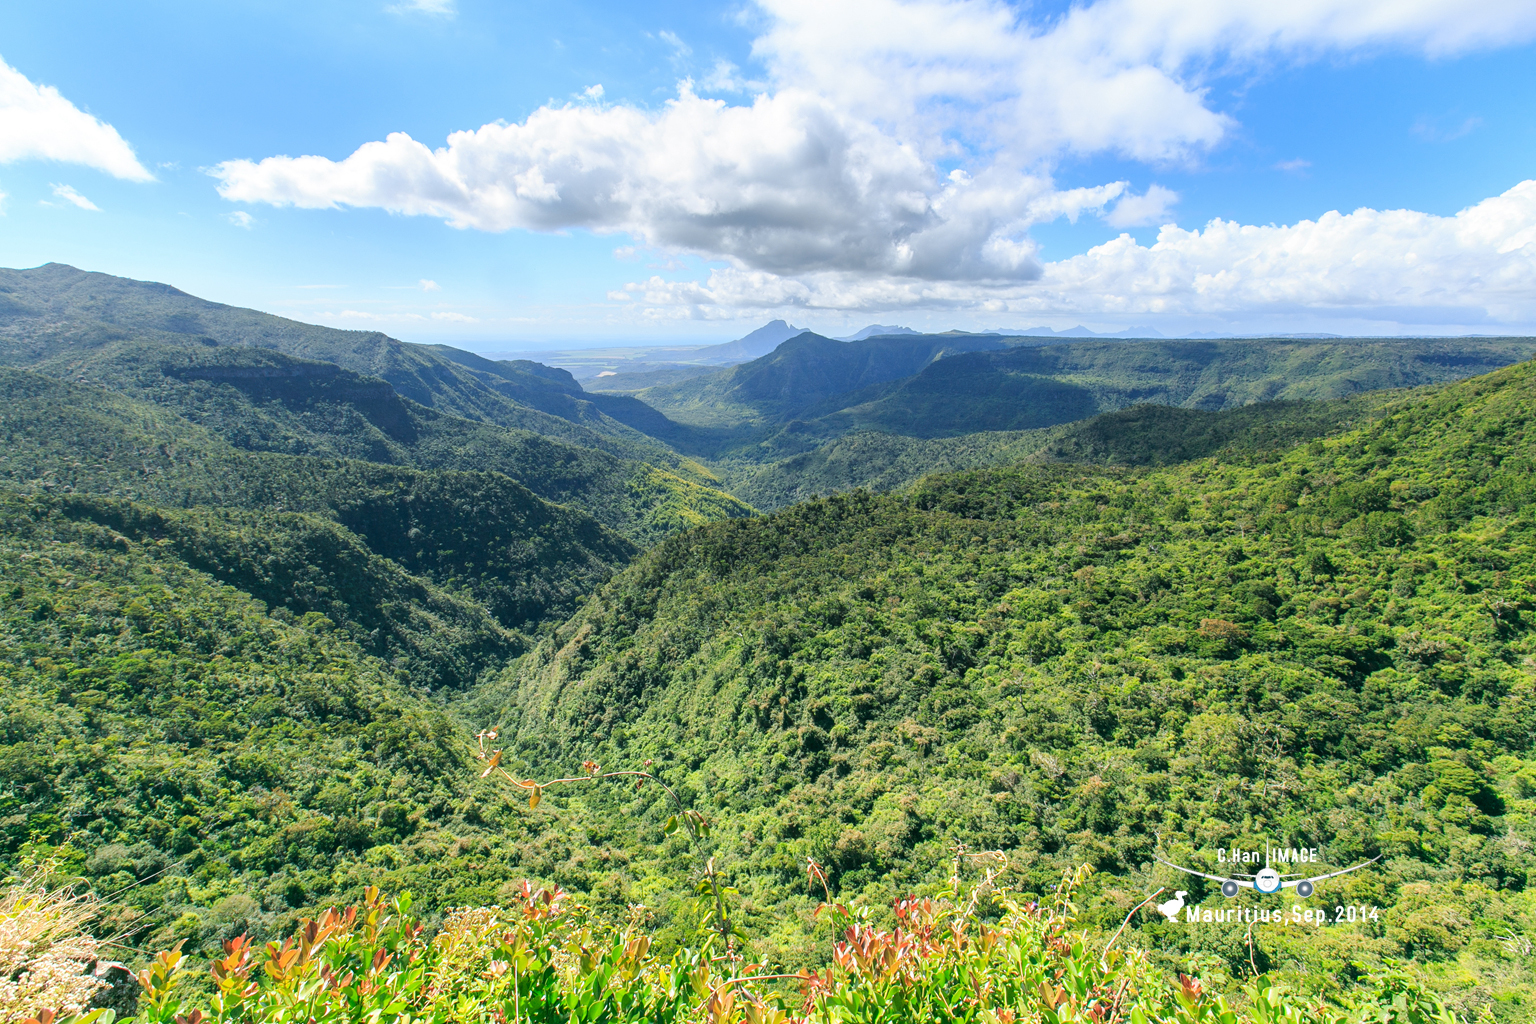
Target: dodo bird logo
1170,908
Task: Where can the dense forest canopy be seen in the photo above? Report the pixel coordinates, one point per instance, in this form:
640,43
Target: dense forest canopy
1326,647
261,584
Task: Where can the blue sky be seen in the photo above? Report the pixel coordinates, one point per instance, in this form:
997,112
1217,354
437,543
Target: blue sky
937,163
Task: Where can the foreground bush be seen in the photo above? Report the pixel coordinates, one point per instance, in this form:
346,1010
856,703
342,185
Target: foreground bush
46,954
978,957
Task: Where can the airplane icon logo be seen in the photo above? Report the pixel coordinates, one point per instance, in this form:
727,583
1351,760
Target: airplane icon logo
1268,880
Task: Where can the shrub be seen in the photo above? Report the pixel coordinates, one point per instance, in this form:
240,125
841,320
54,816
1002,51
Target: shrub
978,956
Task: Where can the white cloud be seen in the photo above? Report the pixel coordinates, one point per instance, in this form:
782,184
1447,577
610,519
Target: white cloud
458,318
679,48
1296,166
241,219
1170,32
1443,129
593,92
1479,264
36,123
937,70
427,285
444,8
358,314
3,198
74,198
1135,211
788,184
1399,266
831,184
723,77
1123,76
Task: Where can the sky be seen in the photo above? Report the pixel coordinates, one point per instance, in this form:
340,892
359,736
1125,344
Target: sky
523,176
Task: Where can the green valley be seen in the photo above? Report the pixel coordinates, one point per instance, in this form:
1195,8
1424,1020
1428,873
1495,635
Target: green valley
1086,665
894,611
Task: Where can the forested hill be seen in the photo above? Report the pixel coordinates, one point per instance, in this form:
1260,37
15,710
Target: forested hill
525,561
801,372
811,392
238,591
942,385
1141,435
1329,646
756,431
63,320
219,762
272,437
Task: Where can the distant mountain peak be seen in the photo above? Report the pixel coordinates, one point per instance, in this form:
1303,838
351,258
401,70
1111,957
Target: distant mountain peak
750,346
1080,332
877,331
778,330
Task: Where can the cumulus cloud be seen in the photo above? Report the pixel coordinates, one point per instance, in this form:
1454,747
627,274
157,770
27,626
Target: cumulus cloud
723,77
37,123
1480,262
788,184
241,219
1397,265
938,70
1125,76
74,198
428,285
898,153
1149,208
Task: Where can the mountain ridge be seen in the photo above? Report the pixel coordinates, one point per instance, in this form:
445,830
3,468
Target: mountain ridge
40,300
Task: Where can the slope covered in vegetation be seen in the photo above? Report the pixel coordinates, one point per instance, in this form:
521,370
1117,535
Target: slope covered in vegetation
801,372
1138,436
67,321
1326,647
261,583
231,761
79,437
818,416
947,384
1036,386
